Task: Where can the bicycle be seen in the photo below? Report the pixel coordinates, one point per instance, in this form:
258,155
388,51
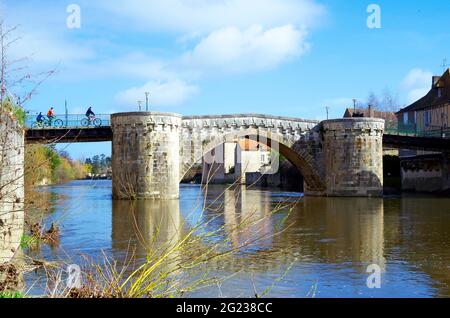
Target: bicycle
47,123
86,122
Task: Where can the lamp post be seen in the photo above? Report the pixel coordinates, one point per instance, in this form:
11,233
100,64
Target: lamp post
146,100
140,105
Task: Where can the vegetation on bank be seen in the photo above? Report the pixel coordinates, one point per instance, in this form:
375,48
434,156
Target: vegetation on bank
45,165
101,165
16,111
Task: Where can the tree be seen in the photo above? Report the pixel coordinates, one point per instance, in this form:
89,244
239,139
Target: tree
388,102
373,100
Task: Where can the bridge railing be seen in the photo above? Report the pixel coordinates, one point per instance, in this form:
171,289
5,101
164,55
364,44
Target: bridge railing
70,121
414,131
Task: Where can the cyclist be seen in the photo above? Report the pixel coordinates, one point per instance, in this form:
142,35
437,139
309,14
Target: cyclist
40,118
90,113
51,114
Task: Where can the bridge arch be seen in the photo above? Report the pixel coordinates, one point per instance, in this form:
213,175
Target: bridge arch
294,150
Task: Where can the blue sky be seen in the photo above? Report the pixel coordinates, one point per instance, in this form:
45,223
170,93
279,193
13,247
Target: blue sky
280,57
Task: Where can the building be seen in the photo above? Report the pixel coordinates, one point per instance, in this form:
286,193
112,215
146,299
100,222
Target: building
389,117
430,114
231,161
423,171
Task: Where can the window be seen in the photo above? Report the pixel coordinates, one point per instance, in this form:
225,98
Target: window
415,117
439,91
405,118
427,117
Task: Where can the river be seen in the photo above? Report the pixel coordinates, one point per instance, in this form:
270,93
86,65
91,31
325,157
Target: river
319,247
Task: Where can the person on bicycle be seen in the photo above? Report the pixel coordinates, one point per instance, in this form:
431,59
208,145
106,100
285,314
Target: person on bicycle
51,114
40,118
90,113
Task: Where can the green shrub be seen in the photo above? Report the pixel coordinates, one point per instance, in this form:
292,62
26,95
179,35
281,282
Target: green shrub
10,295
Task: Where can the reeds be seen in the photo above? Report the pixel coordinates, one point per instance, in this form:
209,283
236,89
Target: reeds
181,264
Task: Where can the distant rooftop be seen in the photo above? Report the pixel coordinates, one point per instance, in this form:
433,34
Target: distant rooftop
366,112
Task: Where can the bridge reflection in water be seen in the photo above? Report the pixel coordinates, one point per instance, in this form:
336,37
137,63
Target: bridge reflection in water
339,231
138,226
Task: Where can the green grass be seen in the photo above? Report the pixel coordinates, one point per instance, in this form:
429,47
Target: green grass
27,241
11,295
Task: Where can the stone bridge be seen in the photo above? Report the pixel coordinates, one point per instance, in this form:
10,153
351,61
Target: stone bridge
152,151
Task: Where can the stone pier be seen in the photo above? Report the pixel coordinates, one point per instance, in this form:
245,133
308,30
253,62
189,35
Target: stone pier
353,157
11,186
146,155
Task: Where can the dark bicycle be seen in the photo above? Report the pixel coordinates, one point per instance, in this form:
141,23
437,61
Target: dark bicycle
47,123
91,120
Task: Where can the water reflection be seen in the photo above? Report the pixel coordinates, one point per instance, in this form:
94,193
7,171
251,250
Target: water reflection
345,229
325,230
422,232
328,241
142,225
250,211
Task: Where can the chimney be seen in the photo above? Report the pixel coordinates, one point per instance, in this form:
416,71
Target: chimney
435,81
371,112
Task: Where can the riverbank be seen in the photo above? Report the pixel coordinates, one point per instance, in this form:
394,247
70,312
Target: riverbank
44,165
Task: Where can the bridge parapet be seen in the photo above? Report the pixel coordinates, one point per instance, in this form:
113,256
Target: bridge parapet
248,120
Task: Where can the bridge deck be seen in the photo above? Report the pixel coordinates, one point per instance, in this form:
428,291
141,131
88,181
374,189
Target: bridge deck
416,143
68,135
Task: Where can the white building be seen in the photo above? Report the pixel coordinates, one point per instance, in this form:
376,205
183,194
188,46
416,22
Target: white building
230,162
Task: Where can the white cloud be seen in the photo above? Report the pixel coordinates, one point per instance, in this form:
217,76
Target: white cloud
233,50
45,47
215,36
167,93
192,16
43,34
416,84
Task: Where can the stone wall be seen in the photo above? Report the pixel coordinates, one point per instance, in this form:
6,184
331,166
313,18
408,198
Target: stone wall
153,151
11,186
353,156
201,134
426,173
146,155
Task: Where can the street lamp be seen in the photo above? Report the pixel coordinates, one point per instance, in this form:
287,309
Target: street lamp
140,105
146,100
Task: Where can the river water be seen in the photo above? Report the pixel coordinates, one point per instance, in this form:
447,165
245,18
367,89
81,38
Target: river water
319,247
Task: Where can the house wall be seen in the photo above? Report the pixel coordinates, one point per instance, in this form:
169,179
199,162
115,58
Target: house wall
232,163
437,120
